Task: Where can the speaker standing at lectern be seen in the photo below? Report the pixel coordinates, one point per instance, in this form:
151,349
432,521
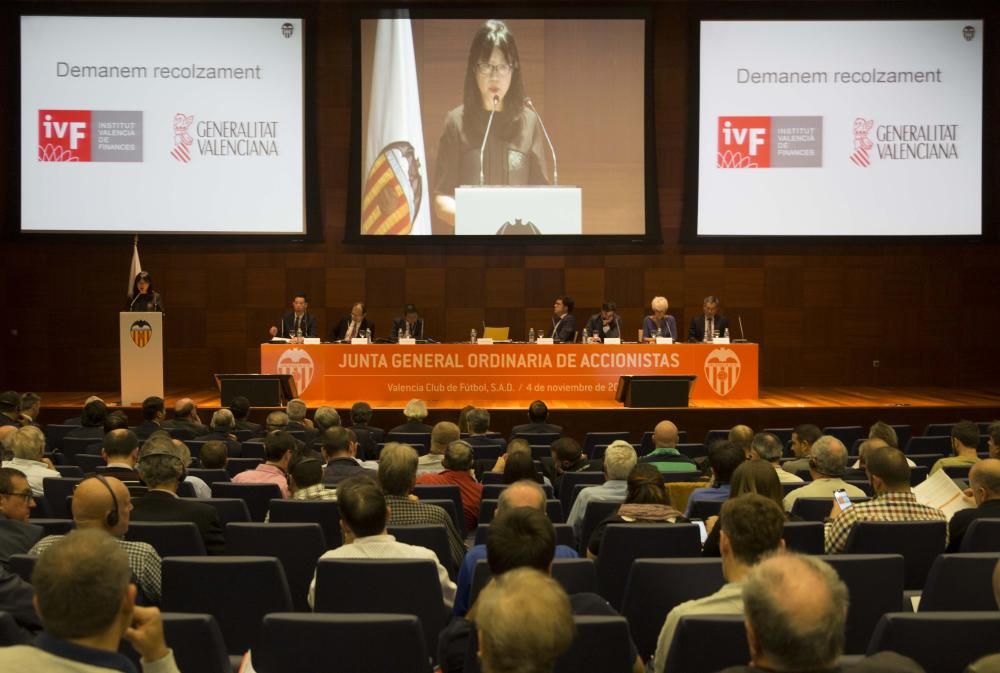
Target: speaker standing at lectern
144,297
494,137
294,320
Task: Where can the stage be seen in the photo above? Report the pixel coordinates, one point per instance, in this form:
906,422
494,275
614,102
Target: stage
776,407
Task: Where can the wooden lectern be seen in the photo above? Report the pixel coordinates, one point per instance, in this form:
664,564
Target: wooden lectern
140,334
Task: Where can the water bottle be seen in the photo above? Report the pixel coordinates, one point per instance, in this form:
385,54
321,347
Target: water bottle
472,336
368,335
531,336
298,336
726,333
406,330
586,335
659,332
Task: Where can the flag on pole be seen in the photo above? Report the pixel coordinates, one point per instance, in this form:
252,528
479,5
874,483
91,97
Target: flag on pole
395,196
136,267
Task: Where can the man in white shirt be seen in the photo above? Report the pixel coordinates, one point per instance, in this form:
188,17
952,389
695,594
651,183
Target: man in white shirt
827,465
364,517
767,446
619,459
28,445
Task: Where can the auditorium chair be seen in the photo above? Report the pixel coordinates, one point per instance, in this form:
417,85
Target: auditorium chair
903,434
788,487
623,543
691,650
713,436
432,536
847,434
420,448
569,481
553,508
54,526
196,641
874,585
253,449
448,506
596,512
564,534
592,439
655,586
575,575
237,590
441,492
597,452
91,463
185,489
230,510
703,509
983,535
693,450
194,446
71,446
180,433
941,642
918,541
601,643
960,582
957,471
326,513
10,632
816,509
929,444
493,491
72,470
938,429
406,586
805,537
865,486
209,476
54,434
918,474
297,546
540,451
236,465
784,435
926,460
537,438
341,643
489,451
168,538
257,496
22,565
411,438
57,490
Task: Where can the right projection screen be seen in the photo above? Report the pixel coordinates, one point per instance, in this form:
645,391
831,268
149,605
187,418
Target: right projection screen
840,128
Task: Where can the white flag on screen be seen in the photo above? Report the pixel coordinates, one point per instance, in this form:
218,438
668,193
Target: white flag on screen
394,200
135,267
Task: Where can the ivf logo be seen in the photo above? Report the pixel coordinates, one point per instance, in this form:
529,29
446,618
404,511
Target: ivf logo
744,142
64,135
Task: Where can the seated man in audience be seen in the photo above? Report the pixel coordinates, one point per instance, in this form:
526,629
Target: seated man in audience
515,446
443,434
894,500
115,420
803,437
278,448
867,445
240,406
214,455
885,432
991,662
619,459
457,471
305,480
415,412
161,466
17,600
368,436
567,456
297,419
325,418
223,429
86,602
752,527
91,422
827,465
186,418
741,436
993,443
479,426
120,451
984,482
964,444
339,452
767,446
524,623
364,517
10,408
78,420
723,459
17,536
29,409
397,473
276,420
28,446
795,611
201,489
538,414
103,503
665,455
153,415
520,494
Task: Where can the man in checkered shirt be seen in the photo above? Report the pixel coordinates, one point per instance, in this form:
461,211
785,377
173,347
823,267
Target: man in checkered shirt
889,475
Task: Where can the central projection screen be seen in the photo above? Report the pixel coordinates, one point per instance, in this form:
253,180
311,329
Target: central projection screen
840,128
566,152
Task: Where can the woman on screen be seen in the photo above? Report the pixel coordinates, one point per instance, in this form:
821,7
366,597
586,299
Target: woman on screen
144,297
659,324
515,152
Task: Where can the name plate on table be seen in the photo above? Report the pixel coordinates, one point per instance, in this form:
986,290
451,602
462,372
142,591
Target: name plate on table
485,341
545,341
407,342
615,341
489,211
664,340
359,341
311,340
720,340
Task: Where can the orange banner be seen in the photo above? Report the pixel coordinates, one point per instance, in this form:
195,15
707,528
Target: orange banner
432,372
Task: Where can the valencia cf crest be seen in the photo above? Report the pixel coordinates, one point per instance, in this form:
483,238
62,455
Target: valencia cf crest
722,369
300,365
141,332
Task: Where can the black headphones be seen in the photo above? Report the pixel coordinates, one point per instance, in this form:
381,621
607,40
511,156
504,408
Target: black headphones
111,518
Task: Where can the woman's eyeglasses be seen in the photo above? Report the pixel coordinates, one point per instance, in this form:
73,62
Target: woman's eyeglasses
502,69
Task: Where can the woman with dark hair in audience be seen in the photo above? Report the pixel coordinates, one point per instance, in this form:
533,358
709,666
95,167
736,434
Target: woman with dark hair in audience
463,419
144,297
753,476
646,501
520,466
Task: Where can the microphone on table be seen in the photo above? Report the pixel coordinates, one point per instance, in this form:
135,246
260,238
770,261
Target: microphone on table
742,338
482,149
555,162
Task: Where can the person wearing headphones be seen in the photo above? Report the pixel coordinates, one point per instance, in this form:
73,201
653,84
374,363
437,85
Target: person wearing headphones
104,503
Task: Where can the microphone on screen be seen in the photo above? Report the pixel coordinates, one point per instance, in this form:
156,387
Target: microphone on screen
555,162
482,149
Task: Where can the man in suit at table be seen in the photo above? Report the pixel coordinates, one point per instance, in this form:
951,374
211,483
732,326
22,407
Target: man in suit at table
605,325
410,322
709,322
296,319
354,325
563,322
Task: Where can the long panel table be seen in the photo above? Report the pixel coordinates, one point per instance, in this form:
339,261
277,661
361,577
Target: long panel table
586,372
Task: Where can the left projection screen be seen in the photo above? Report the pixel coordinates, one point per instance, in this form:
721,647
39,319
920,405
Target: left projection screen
162,125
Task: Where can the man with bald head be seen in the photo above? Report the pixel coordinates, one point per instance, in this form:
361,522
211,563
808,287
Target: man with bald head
524,493
984,482
443,434
665,455
741,436
120,451
186,418
104,503
767,446
827,465
795,612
